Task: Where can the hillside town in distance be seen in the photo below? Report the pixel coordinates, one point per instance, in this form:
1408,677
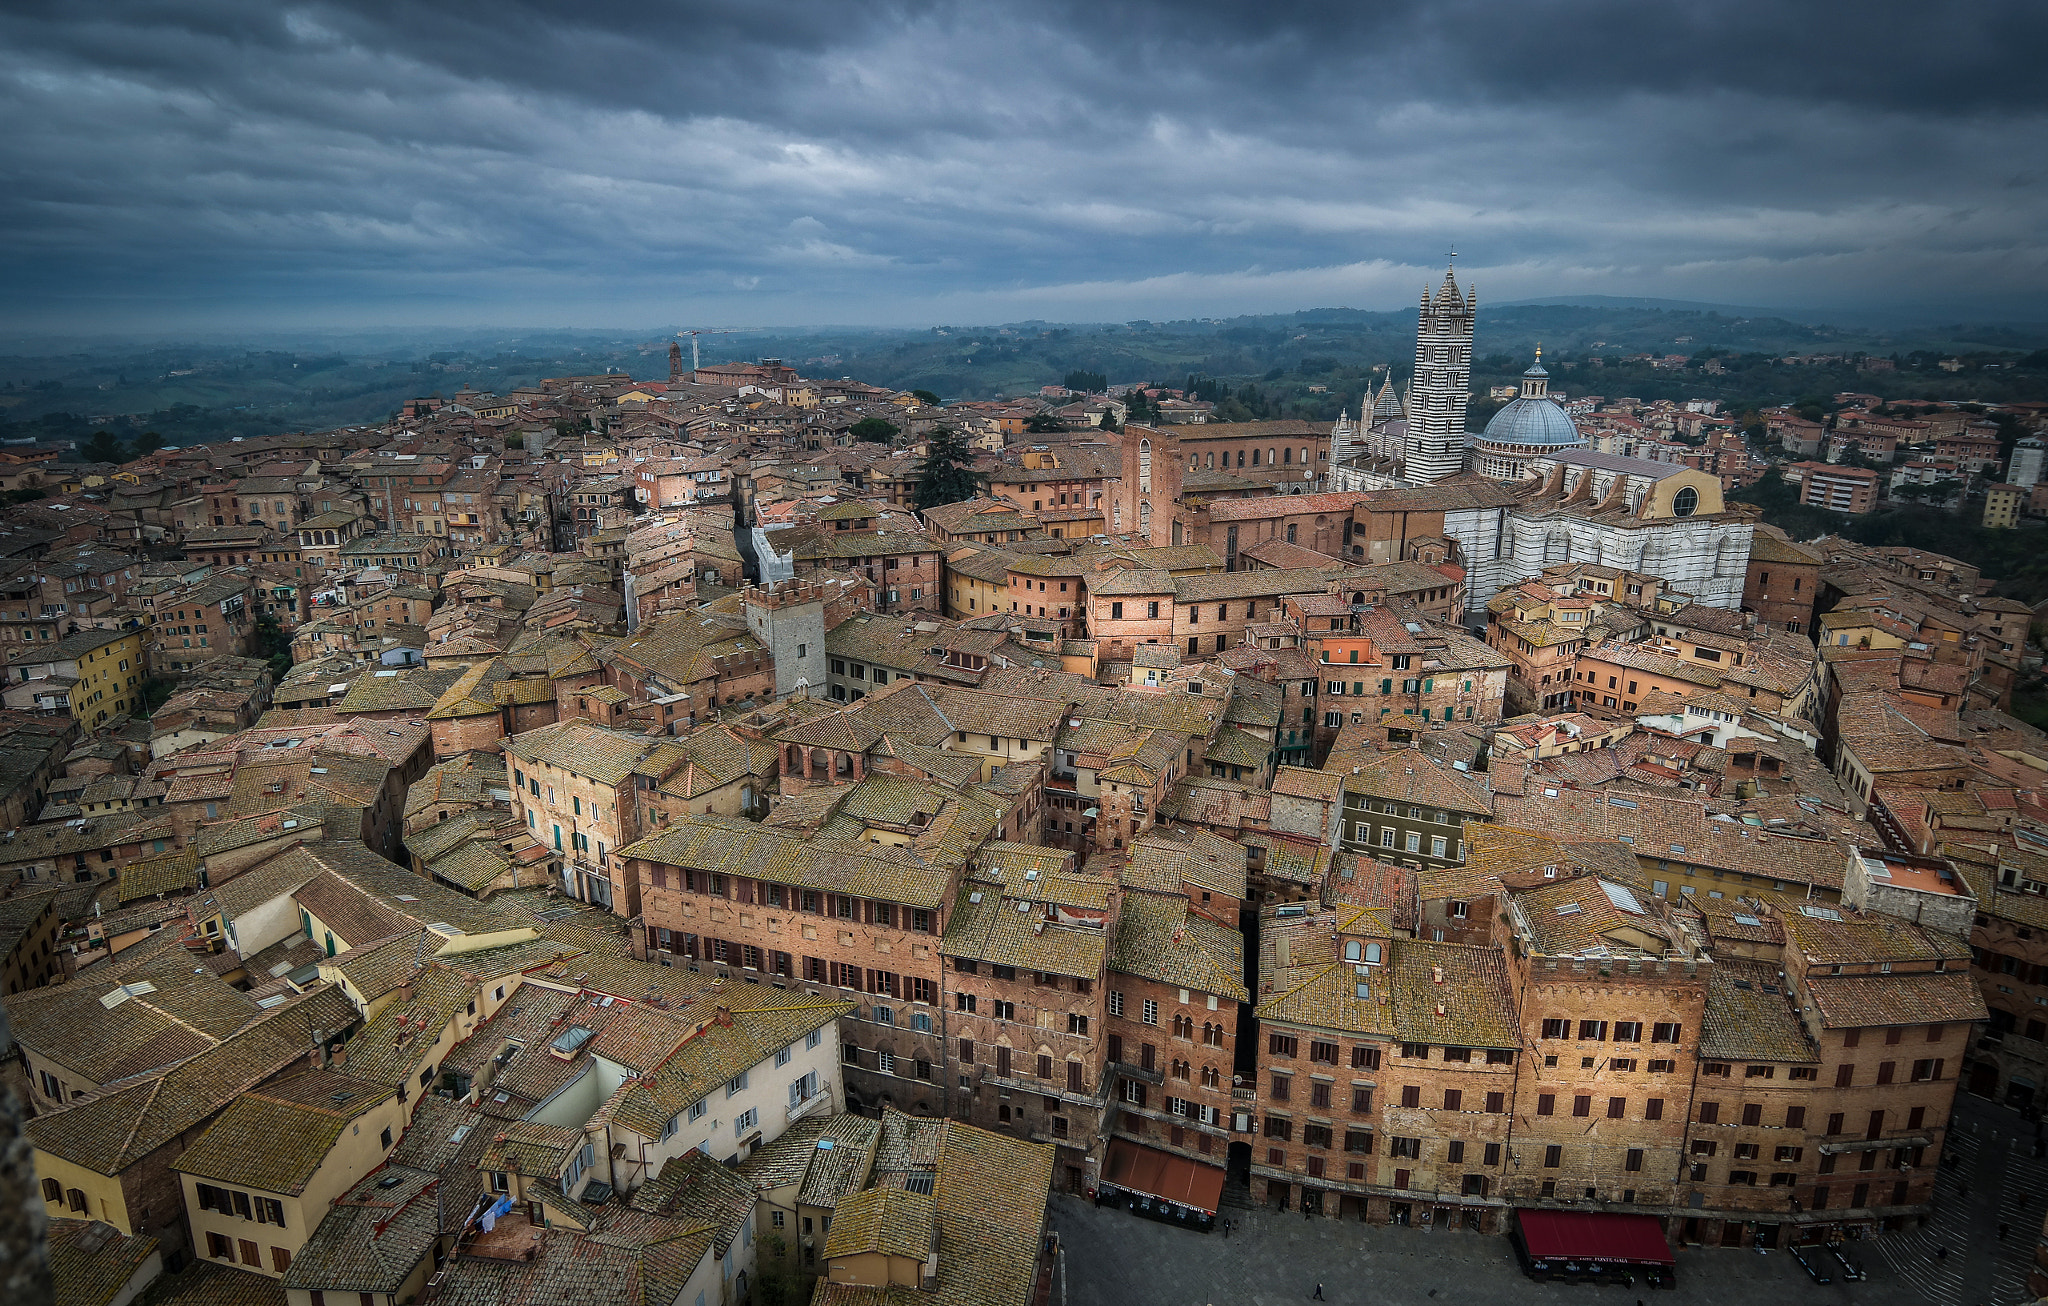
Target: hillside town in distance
734,838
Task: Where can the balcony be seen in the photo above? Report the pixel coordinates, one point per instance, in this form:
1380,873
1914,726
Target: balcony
812,1105
1129,1071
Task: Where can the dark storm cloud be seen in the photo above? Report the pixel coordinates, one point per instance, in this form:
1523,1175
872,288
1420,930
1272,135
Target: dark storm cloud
804,161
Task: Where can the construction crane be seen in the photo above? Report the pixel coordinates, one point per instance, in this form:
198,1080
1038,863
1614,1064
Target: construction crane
695,362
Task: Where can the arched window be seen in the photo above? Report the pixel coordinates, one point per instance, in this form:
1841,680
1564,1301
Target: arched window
78,1202
1144,467
1372,954
52,1191
1685,503
1353,950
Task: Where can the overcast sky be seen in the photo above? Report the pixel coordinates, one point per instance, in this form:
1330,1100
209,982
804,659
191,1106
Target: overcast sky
247,163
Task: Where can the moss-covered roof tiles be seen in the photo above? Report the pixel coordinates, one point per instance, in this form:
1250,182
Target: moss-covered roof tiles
1158,938
1750,1018
887,1221
273,1139
110,1132
736,847
1925,998
710,1059
993,930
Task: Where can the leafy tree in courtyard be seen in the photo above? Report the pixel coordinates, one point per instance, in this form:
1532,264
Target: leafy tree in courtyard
946,474
273,645
927,397
1041,422
873,430
104,447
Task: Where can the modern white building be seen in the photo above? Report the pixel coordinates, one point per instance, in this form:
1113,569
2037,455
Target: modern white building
2029,462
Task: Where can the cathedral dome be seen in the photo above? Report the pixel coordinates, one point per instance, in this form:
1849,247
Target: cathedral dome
1531,426
1537,421
1533,419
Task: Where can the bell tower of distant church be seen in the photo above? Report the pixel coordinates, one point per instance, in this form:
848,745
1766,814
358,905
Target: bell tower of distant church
1442,385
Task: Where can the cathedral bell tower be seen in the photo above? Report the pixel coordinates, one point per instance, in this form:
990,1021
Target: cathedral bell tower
1442,385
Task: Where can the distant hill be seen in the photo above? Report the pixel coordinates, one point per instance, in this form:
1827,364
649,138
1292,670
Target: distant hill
1312,363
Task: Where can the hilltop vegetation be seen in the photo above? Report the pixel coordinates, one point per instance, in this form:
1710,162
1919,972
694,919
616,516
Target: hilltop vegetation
1308,364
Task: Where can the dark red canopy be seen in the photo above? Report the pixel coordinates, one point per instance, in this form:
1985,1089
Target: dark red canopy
1162,1174
1595,1236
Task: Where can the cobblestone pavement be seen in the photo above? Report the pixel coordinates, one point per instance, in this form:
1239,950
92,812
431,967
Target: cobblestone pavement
1996,1182
1113,1258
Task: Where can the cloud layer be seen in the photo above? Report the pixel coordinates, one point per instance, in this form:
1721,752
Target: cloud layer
599,163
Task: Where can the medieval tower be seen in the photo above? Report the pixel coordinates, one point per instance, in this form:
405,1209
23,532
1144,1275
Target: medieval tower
1147,497
1442,385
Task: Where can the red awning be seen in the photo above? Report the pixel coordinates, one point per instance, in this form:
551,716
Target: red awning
1591,1236
1163,1175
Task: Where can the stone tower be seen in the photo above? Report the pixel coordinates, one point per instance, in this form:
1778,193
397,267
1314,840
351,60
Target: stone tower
788,617
1442,385
675,363
1147,499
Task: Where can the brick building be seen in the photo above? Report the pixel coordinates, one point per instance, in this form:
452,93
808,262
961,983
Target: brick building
841,916
1023,1004
905,567
1784,581
1386,1071
1321,522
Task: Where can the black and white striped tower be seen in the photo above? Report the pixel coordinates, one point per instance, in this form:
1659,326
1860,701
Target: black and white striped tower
1442,385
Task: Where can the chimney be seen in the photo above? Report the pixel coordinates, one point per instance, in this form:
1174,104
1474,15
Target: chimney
1436,974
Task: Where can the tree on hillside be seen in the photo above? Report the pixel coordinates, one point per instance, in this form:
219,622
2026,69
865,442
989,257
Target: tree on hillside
946,474
1092,383
147,442
928,398
103,447
873,430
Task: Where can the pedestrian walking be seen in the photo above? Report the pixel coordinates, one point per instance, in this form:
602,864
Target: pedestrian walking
1317,1295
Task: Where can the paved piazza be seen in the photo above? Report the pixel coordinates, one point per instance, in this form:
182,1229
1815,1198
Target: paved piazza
1114,1258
